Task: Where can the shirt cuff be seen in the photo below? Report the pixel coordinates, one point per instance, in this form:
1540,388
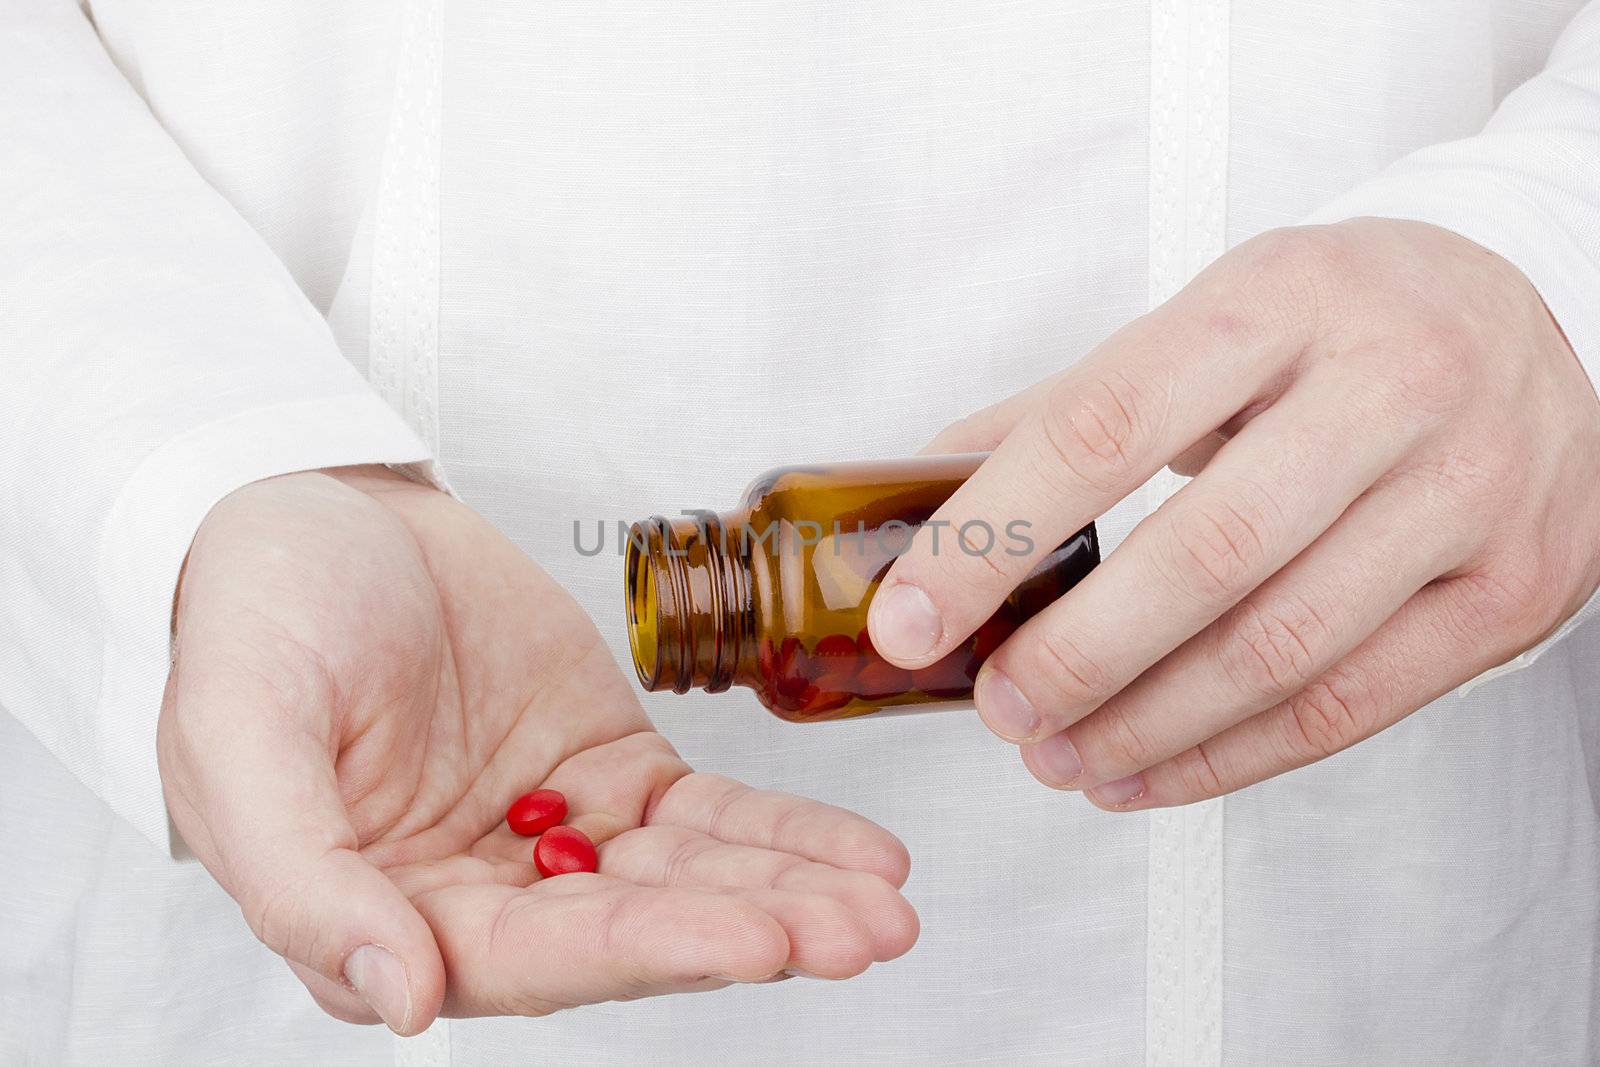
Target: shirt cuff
147,535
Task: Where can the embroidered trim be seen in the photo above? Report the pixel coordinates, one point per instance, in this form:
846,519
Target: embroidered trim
1188,199
403,337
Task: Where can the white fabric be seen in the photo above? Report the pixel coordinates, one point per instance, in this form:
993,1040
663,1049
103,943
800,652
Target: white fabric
675,244
1188,191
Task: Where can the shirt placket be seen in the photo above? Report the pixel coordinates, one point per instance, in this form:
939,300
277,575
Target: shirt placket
1188,196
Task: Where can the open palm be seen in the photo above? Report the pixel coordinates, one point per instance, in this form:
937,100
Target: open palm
367,673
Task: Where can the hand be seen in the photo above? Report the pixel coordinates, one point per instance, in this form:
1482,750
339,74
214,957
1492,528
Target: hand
367,674
1397,456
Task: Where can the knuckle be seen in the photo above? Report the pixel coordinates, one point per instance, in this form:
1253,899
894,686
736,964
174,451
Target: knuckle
1121,742
716,819
1217,546
1298,248
1076,678
1328,716
1431,375
264,916
1464,477
777,876
1196,773
280,922
679,865
1270,645
1096,430
1300,266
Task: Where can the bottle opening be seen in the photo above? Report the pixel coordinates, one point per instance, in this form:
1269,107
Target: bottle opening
644,611
689,613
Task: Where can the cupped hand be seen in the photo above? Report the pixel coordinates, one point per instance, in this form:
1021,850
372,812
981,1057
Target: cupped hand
1396,456
366,674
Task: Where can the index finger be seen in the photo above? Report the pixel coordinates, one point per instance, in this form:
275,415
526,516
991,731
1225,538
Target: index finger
1095,435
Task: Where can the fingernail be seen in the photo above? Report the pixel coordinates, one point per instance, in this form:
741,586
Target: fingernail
1003,708
1120,793
379,978
907,624
1057,761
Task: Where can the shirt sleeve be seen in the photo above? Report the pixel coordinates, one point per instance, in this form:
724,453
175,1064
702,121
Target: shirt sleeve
1527,188
154,356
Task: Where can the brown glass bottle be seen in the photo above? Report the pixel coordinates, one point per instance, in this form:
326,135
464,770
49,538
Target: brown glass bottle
774,594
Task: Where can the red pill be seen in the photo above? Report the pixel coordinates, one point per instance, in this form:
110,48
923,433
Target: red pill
827,694
949,678
791,672
533,813
564,850
879,679
835,645
991,635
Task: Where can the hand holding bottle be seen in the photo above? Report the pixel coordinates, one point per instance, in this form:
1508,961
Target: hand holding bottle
1397,457
366,674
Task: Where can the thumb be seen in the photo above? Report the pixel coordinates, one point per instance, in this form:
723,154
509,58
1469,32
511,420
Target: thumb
250,783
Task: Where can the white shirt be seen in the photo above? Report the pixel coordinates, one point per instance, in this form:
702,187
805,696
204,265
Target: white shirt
602,258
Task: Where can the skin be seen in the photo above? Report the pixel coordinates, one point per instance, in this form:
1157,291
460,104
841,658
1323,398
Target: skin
1395,455
366,674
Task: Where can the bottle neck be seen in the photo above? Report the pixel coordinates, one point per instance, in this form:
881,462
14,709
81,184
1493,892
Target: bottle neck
691,615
